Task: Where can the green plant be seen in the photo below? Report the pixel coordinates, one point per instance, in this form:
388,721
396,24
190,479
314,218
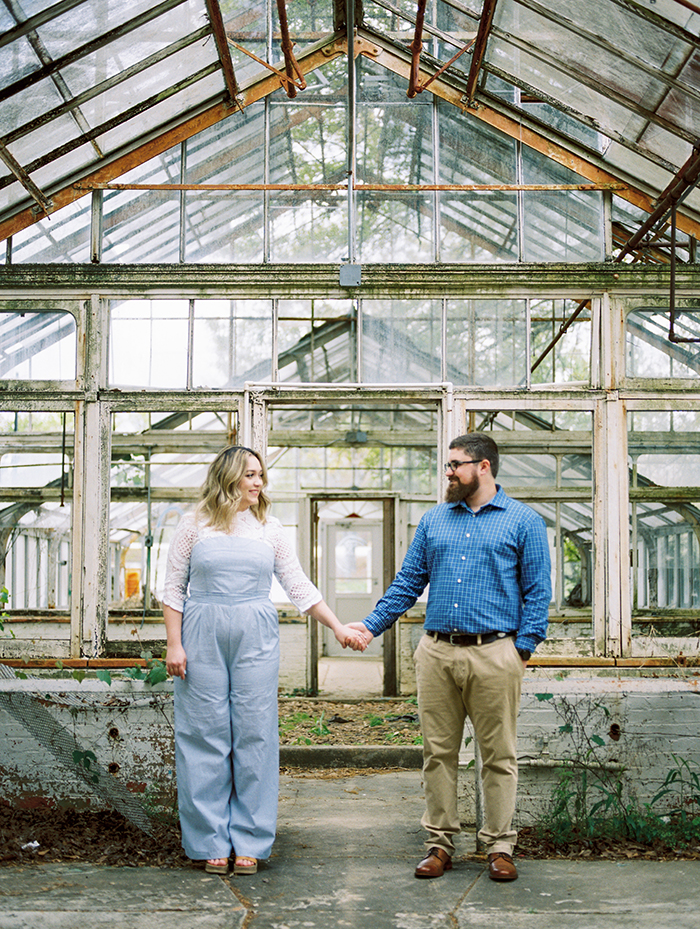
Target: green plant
85,760
4,600
154,673
320,728
590,801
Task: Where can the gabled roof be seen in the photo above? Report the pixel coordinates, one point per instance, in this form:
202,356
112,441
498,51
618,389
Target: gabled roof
91,89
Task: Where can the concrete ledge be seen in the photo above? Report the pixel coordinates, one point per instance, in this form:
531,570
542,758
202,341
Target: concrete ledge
351,756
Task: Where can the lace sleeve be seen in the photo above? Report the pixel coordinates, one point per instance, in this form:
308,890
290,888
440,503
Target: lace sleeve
288,571
177,571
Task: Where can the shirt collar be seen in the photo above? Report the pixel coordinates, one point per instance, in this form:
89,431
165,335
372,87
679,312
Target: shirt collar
499,501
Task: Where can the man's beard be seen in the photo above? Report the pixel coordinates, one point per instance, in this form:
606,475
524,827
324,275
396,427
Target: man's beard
456,491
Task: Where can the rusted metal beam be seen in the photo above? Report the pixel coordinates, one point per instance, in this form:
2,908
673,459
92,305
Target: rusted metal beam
679,187
25,180
686,178
421,87
294,73
115,185
217,28
482,38
58,64
416,48
516,127
189,127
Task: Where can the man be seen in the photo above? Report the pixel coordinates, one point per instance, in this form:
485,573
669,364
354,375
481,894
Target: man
486,559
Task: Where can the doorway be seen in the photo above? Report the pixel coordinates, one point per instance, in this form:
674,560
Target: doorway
352,558
352,569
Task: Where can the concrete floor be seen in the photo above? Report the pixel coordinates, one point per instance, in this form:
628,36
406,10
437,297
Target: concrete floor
344,857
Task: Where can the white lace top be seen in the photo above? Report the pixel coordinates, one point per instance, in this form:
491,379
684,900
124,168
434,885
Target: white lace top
288,571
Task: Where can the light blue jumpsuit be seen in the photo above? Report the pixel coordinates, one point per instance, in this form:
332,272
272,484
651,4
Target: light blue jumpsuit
226,733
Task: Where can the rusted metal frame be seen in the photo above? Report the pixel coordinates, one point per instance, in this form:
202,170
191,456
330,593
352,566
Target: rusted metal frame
482,38
76,54
654,18
416,48
602,43
668,86
686,179
603,90
672,337
445,37
115,185
290,62
98,89
123,117
25,180
587,81
45,58
284,79
39,19
422,87
217,27
518,126
311,60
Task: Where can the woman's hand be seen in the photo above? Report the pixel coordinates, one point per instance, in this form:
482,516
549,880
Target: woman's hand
364,632
176,661
352,638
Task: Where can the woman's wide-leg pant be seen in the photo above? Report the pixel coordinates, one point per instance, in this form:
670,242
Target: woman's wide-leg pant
226,733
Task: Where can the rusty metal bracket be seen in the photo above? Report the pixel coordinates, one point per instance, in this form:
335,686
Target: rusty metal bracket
416,48
217,27
290,62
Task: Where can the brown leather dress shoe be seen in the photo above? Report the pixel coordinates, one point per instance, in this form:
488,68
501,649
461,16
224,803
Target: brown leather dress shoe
435,863
501,867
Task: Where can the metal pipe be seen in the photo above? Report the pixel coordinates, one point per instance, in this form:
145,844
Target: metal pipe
416,48
351,132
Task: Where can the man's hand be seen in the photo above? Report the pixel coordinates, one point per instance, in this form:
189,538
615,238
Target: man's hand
364,632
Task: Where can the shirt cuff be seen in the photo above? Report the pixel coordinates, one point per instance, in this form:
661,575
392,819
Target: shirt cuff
527,642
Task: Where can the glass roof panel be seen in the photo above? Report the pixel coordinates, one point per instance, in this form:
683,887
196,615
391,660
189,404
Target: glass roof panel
622,78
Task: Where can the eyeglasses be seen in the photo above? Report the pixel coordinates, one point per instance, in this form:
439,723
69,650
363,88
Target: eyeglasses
453,465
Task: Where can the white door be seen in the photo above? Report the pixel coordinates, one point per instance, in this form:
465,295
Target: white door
352,560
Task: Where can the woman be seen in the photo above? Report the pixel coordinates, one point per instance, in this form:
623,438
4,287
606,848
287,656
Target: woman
223,651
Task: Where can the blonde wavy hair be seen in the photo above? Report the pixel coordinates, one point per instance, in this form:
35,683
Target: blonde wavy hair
221,495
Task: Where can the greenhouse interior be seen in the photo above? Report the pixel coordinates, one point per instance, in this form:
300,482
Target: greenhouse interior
343,233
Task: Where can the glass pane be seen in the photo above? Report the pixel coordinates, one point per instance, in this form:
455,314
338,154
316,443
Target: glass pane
148,343
63,237
35,513
568,360
317,341
564,225
650,351
37,346
232,342
486,342
401,341
226,226
665,454
353,561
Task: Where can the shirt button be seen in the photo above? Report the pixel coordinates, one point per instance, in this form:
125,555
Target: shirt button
456,606
468,535
463,557
459,580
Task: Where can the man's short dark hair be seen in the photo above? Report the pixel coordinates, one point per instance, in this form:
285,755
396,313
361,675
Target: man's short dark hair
479,445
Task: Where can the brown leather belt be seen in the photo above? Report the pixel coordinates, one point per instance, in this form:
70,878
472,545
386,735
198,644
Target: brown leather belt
464,638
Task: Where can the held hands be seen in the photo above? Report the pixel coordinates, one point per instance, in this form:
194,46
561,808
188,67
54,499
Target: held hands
349,636
363,631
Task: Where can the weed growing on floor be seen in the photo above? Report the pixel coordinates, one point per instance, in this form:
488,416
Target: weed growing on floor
591,801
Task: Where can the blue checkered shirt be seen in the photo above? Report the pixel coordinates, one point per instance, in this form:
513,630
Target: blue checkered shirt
488,571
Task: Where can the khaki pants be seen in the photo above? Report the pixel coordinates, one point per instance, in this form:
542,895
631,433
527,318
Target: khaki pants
484,683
